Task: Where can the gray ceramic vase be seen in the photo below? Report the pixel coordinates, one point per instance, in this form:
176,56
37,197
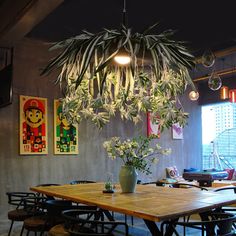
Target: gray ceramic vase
128,178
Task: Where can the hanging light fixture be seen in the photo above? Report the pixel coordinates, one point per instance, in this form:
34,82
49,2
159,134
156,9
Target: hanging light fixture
122,58
232,95
214,82
224,92
97,88
208,58
193,95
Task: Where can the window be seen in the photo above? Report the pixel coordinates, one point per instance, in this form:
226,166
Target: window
219,136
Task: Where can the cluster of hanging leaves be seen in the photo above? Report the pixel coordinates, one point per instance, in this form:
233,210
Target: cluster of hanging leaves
97,89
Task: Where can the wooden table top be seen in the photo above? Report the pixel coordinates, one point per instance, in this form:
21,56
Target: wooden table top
148,202
223,183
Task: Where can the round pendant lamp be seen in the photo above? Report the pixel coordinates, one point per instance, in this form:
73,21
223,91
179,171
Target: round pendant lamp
214,82
208,58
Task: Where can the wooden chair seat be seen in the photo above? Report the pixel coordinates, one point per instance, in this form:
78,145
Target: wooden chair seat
36,223
58,230
18,215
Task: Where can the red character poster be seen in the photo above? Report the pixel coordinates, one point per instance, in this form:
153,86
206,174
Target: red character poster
153,126
33,125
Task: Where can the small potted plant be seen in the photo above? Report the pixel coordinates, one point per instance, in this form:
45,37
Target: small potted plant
109,184
136,154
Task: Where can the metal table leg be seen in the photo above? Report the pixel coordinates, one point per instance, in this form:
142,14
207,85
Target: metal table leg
153,228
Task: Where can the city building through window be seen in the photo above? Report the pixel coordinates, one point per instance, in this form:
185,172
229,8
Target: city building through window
219,136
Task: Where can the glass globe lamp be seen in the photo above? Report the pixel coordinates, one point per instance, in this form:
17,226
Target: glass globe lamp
214,82
208,58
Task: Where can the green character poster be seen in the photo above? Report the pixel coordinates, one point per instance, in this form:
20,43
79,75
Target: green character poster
65,134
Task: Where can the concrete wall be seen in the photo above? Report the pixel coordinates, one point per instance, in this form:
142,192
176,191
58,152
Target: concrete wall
18,173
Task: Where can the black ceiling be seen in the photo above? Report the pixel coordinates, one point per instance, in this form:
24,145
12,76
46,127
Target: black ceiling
205,24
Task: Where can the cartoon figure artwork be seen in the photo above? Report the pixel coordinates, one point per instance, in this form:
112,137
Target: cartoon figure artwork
177,131
153,126
33,125
65,134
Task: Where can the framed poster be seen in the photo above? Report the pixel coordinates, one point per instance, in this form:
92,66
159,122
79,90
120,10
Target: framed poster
153,126
33,125
177,131
65,134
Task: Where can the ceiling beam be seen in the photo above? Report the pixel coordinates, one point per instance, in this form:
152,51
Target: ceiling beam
219,72
219,53
19,17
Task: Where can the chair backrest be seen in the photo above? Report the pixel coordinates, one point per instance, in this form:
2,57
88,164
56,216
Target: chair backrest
82,182
146,183
55,207
34,205
77,223
16,198
46,185
230,208
187,185
216,223
226,188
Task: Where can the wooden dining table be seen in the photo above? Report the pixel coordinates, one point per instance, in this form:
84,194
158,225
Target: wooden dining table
149,202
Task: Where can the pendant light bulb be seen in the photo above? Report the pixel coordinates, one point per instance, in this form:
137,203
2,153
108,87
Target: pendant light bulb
193,95
122,59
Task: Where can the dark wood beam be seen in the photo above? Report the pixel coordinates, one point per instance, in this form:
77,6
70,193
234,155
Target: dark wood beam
19,17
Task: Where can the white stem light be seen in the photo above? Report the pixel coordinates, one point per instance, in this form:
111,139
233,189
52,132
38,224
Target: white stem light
122,59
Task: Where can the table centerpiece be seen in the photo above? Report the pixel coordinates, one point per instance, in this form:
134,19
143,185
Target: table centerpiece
136,155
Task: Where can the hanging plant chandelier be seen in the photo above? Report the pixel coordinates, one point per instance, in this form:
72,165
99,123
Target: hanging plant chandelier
97,88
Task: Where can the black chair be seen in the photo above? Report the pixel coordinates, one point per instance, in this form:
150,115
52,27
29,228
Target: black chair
73,182
213,223
147,183
109,215
59,229
226,188
51,215
46,185
82,182
20,213
36,205
231,209
77,224
187,185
